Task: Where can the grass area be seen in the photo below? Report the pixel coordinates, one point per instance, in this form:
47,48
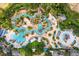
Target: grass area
30,28
1,39
27,51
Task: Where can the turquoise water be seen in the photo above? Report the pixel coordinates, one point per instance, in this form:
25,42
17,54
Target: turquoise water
19,37
40,26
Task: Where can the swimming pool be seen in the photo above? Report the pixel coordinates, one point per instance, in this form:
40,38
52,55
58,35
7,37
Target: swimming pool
69,41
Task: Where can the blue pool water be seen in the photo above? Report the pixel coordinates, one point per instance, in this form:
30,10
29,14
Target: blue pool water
40,26
19,37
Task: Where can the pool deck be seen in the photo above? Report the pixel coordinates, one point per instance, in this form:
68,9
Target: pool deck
23,36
